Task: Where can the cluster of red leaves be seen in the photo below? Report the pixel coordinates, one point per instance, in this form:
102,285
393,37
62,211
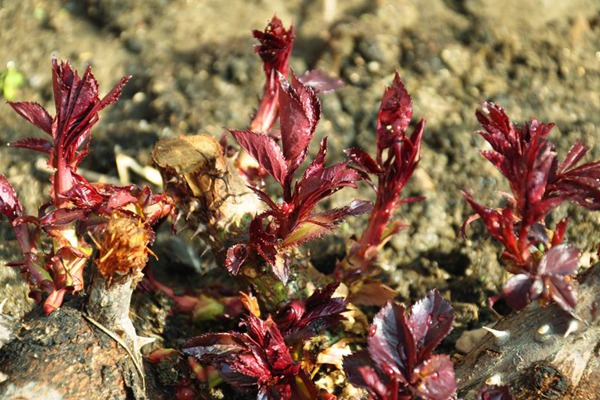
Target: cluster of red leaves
58,269
275,48
542,264
265,356
398,362
293,221
398,155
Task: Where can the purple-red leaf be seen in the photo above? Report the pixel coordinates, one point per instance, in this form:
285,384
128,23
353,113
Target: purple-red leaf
562,291
308,230
559,232
213,345
500,225
34,113
391,343
36,144
236,256
430,321
301,320
561,260
260,357
579,185
275,46
77,106
395,114
397,158
575,154
364,161
114,94
436,377
10,206
265,151
324,182
398,363
517,291
265,198
83,195
360,372
300,111
318,224
317,164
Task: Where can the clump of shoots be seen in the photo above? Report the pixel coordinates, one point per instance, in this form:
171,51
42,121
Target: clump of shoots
275,49
398,362
543,266
268,356
294,220
397,156
57,244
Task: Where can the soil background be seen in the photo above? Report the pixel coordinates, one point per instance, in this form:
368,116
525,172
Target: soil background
194,70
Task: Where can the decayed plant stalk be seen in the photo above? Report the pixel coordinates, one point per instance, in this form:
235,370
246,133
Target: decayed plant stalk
123,253
209,193
214,200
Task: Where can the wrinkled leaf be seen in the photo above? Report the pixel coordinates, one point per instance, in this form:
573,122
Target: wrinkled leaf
395,114
430,320
300,111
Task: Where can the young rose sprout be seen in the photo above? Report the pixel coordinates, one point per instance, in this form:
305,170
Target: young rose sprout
77,105
398,362
275,48
268,356
295,220
398,155
543,266
57,244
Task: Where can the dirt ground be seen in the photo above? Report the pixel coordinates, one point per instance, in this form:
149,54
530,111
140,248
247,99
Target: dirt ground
194,70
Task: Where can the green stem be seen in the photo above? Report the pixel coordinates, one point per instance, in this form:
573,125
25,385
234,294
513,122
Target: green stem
272,291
